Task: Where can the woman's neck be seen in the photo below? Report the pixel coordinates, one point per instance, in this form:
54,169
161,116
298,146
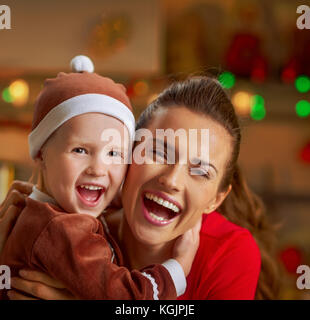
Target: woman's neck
136,254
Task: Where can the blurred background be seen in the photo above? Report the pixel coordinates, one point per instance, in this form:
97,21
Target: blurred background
252,46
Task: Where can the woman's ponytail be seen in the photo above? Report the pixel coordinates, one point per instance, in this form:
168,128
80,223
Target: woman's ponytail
245,209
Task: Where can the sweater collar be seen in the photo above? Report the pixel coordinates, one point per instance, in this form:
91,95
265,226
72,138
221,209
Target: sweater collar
41,196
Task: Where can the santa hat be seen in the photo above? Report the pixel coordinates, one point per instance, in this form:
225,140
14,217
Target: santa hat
72,94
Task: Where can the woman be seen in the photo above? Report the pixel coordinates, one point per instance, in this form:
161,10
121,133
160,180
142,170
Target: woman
227,263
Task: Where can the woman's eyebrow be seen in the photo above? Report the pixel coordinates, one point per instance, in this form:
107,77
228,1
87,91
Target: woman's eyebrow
164,144
203,163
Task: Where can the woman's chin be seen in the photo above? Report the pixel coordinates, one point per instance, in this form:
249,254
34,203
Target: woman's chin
151,236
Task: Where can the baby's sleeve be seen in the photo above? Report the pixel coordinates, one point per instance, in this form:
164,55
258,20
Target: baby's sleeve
71,250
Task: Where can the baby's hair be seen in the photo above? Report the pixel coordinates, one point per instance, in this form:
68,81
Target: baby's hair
36,177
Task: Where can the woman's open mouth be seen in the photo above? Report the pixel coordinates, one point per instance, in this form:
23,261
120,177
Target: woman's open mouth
159,209
90,194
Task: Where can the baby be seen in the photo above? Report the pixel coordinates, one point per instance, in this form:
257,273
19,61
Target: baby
80,173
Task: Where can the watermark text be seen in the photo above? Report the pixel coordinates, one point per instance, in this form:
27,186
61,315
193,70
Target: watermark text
303,281
5,17
185,147
303,21
5,277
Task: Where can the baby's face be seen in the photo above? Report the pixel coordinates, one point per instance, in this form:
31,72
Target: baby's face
83,171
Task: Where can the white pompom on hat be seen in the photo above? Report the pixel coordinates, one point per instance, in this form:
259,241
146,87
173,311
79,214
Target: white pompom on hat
72,94
82,63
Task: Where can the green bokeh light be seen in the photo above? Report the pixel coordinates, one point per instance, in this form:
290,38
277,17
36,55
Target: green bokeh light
227,79
258,111
303,108
6,96
257,100
302,84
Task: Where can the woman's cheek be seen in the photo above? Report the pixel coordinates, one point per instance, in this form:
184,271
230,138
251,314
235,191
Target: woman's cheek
130,181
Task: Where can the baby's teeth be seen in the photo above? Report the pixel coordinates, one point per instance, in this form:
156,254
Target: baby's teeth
91,187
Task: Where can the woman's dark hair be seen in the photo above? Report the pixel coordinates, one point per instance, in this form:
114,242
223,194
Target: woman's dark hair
206,96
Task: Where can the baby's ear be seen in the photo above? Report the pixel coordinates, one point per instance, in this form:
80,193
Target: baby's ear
39,159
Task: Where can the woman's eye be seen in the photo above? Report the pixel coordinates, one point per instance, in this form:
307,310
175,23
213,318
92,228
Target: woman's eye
158,156
80,150
159,153
200,172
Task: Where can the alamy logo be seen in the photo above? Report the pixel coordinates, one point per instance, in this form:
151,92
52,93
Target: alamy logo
5,277
5,17
303,21
303,281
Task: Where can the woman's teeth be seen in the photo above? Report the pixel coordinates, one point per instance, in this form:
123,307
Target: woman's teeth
163,203
91,187
157,218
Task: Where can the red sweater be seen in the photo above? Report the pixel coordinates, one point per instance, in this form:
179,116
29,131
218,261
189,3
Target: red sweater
227,263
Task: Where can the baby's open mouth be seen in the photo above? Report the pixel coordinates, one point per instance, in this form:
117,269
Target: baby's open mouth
159,211
90,194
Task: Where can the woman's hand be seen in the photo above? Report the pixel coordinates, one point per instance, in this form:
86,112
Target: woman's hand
11,208
39,285
186,246
16,196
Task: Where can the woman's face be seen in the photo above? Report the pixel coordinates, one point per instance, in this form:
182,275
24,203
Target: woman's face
161,201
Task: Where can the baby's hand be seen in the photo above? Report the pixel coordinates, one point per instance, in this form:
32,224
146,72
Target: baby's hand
186,246
11,208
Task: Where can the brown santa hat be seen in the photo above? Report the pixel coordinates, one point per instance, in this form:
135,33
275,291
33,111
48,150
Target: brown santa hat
72,94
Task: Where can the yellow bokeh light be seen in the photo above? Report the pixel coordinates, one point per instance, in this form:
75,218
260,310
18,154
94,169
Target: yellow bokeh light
19,91
141,88
241,101
20,102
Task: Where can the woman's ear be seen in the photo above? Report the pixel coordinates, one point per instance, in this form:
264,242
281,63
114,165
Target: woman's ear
220,197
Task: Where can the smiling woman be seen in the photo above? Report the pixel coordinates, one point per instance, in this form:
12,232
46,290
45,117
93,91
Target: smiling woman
176,182
228,263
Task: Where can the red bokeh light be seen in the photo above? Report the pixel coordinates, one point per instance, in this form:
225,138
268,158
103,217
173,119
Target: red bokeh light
291,257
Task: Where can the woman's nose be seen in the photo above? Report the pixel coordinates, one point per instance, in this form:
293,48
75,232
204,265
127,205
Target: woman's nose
172,178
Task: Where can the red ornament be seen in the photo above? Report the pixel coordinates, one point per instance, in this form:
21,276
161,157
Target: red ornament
244,57
299,62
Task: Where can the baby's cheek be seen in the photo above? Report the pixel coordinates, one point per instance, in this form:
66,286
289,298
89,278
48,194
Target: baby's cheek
120,173
117,175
